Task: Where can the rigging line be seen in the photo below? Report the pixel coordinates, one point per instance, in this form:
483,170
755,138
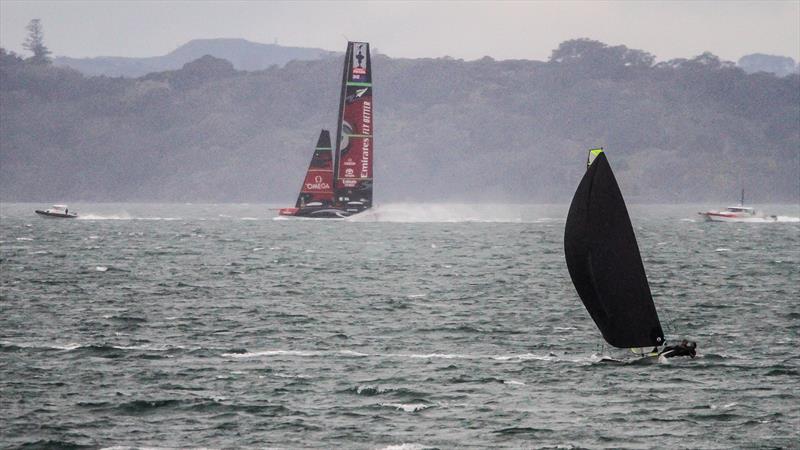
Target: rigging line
670,327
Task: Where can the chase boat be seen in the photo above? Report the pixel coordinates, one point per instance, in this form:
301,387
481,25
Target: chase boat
57,212
737,214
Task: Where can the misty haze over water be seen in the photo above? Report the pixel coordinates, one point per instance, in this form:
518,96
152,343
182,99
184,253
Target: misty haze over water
684,130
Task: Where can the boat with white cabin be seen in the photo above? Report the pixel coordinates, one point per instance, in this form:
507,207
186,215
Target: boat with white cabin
738,213
57,212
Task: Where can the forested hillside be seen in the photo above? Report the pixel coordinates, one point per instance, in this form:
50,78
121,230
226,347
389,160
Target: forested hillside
685,130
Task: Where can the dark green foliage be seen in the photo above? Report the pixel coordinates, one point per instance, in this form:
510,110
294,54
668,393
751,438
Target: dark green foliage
35,43
446,130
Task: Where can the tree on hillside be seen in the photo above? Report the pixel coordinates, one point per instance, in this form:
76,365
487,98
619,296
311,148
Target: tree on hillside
35,43
600,61
597,53
9,58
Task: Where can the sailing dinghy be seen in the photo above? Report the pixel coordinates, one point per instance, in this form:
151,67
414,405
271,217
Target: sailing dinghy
604,261
351,176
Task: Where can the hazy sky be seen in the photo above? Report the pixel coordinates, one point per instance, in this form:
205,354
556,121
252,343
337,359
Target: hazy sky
461,29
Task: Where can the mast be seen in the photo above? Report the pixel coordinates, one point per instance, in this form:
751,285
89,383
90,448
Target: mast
343,92
354,146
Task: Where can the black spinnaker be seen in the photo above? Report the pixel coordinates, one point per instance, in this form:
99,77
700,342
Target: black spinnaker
604,261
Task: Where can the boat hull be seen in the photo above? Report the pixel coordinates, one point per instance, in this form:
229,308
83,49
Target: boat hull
317,213
52,215
722,217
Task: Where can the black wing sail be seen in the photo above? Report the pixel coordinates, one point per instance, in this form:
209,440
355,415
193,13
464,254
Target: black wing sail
354,142
604,261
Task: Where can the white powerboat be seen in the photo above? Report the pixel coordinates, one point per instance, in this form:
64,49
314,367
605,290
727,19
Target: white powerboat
737,214
57,212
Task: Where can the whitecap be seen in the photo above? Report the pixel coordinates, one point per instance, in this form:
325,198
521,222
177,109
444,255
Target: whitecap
524,357
436,355
407,407
147,347
68,346
405,446
514,382
53,346
292,376
352,353
722,249
271,353
101,268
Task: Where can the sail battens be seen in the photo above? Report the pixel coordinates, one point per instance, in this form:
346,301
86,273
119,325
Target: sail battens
604,261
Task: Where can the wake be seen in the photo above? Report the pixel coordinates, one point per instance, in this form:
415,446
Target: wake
459,213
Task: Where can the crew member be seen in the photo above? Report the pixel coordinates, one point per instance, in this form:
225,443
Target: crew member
685,348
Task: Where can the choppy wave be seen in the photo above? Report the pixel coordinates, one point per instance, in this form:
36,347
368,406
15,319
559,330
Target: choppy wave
223,332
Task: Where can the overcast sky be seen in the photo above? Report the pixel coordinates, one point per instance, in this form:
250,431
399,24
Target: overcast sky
460,29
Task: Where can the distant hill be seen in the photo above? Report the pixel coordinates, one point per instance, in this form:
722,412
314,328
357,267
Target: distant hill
244,55
759,62
685,130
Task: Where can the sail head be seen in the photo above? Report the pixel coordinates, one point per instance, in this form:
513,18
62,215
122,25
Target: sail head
604,261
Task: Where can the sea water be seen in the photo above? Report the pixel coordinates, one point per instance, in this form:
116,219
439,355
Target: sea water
411,326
